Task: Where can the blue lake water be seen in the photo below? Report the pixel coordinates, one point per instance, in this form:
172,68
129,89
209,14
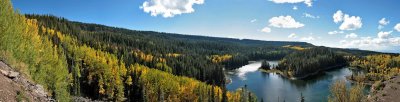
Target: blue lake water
272,87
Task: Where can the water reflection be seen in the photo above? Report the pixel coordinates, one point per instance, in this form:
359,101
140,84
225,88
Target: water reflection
272,87
241,72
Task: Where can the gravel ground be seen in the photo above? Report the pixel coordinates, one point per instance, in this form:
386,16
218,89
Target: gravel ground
389,93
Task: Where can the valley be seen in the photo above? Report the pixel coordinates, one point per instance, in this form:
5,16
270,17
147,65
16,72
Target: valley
72,60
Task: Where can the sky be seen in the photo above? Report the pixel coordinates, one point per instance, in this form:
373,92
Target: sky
364,24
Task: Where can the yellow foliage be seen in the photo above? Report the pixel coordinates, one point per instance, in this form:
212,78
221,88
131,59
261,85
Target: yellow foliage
173,88
147,57
379,67
103,68
294,47
173,54
220,58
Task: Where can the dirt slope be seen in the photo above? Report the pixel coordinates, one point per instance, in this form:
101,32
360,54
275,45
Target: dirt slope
389,91
16,87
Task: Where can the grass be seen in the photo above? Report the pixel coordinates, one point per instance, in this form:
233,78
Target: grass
21,97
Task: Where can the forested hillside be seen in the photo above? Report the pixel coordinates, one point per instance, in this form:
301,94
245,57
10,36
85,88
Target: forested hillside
377,67
307,62
194,56
72,58
68,66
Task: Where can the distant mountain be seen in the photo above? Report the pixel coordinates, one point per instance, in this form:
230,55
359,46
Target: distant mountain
55,21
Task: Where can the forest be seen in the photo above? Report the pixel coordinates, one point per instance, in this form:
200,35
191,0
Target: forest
71,58
307,62
198,57
265,65
67,66
376,68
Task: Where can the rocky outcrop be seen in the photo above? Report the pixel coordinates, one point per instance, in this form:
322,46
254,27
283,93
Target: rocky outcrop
9,74
16,87
387,91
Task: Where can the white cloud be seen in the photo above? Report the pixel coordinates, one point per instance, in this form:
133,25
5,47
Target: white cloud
266,30
382,23
383,42
335,32
284,22
338,16
295,8
384,35
309,15
309,38
293,35
397,27
343,42
253,20
307,2
377,44
351,35
349,22
169,8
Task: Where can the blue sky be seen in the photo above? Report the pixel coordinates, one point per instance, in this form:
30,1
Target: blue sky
357,21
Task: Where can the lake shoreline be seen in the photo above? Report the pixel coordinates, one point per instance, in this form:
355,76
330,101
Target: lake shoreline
303,76
268,85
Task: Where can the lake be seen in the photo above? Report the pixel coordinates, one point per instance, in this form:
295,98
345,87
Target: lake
272,87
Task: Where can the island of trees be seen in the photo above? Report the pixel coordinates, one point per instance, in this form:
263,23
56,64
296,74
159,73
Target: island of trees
265,65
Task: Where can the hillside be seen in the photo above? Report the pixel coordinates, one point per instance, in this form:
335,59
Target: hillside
309,62
64,25
387,91
110,66
186,55
15,87
70,58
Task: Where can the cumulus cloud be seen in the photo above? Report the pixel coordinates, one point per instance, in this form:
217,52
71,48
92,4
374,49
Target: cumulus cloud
284,22
294,8
348,22
351,23
382,23
307,15
307,2
383,42
397,27
253,20
169,8
370,43
266,30
335,32
309,38
384,35
293,35
343,41
338,16
351,35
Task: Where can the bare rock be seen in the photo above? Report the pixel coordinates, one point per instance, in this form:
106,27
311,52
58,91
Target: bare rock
12,82
9,74
3,72
84,99
40,90
12,74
